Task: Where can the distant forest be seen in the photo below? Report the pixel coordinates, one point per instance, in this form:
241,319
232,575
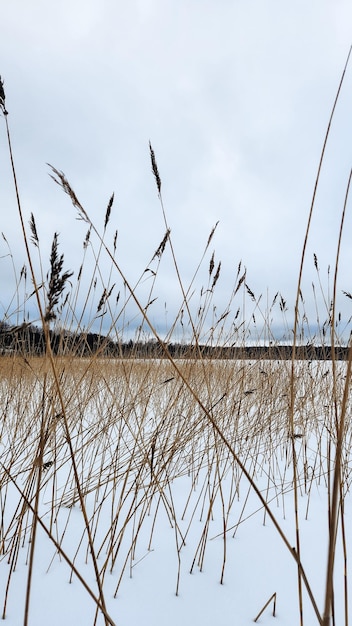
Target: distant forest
29,340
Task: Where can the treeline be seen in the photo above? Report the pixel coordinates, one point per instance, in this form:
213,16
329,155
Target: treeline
28,339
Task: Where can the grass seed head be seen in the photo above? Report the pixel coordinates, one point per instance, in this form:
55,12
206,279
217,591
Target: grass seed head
57,280
108,211
212,233
33,227
60,179
211,264
158,253
217,274
2,97
155,168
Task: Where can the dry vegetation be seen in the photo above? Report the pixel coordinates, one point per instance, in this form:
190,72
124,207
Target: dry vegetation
114,438
118,438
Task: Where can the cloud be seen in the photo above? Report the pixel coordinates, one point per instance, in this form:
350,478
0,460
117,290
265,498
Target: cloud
234,97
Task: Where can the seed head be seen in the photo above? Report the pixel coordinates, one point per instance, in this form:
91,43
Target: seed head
155,168
2,97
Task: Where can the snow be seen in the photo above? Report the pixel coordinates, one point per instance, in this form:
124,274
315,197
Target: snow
176,528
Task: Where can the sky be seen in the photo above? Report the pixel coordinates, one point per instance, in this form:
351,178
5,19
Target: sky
235,99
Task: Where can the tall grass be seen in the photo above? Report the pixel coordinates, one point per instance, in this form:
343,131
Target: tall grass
129,441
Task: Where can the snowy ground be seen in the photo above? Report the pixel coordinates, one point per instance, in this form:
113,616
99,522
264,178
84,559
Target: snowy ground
225,529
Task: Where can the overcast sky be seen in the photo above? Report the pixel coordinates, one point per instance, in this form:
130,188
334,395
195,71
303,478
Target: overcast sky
235,98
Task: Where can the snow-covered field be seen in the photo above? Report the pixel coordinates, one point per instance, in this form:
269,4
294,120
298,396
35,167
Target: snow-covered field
135,486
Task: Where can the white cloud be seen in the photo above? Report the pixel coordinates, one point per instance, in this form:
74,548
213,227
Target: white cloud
234,97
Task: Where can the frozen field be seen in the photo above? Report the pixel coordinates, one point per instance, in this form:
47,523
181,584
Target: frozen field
118,489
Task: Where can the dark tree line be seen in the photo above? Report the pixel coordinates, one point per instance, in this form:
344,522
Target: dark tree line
28,339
